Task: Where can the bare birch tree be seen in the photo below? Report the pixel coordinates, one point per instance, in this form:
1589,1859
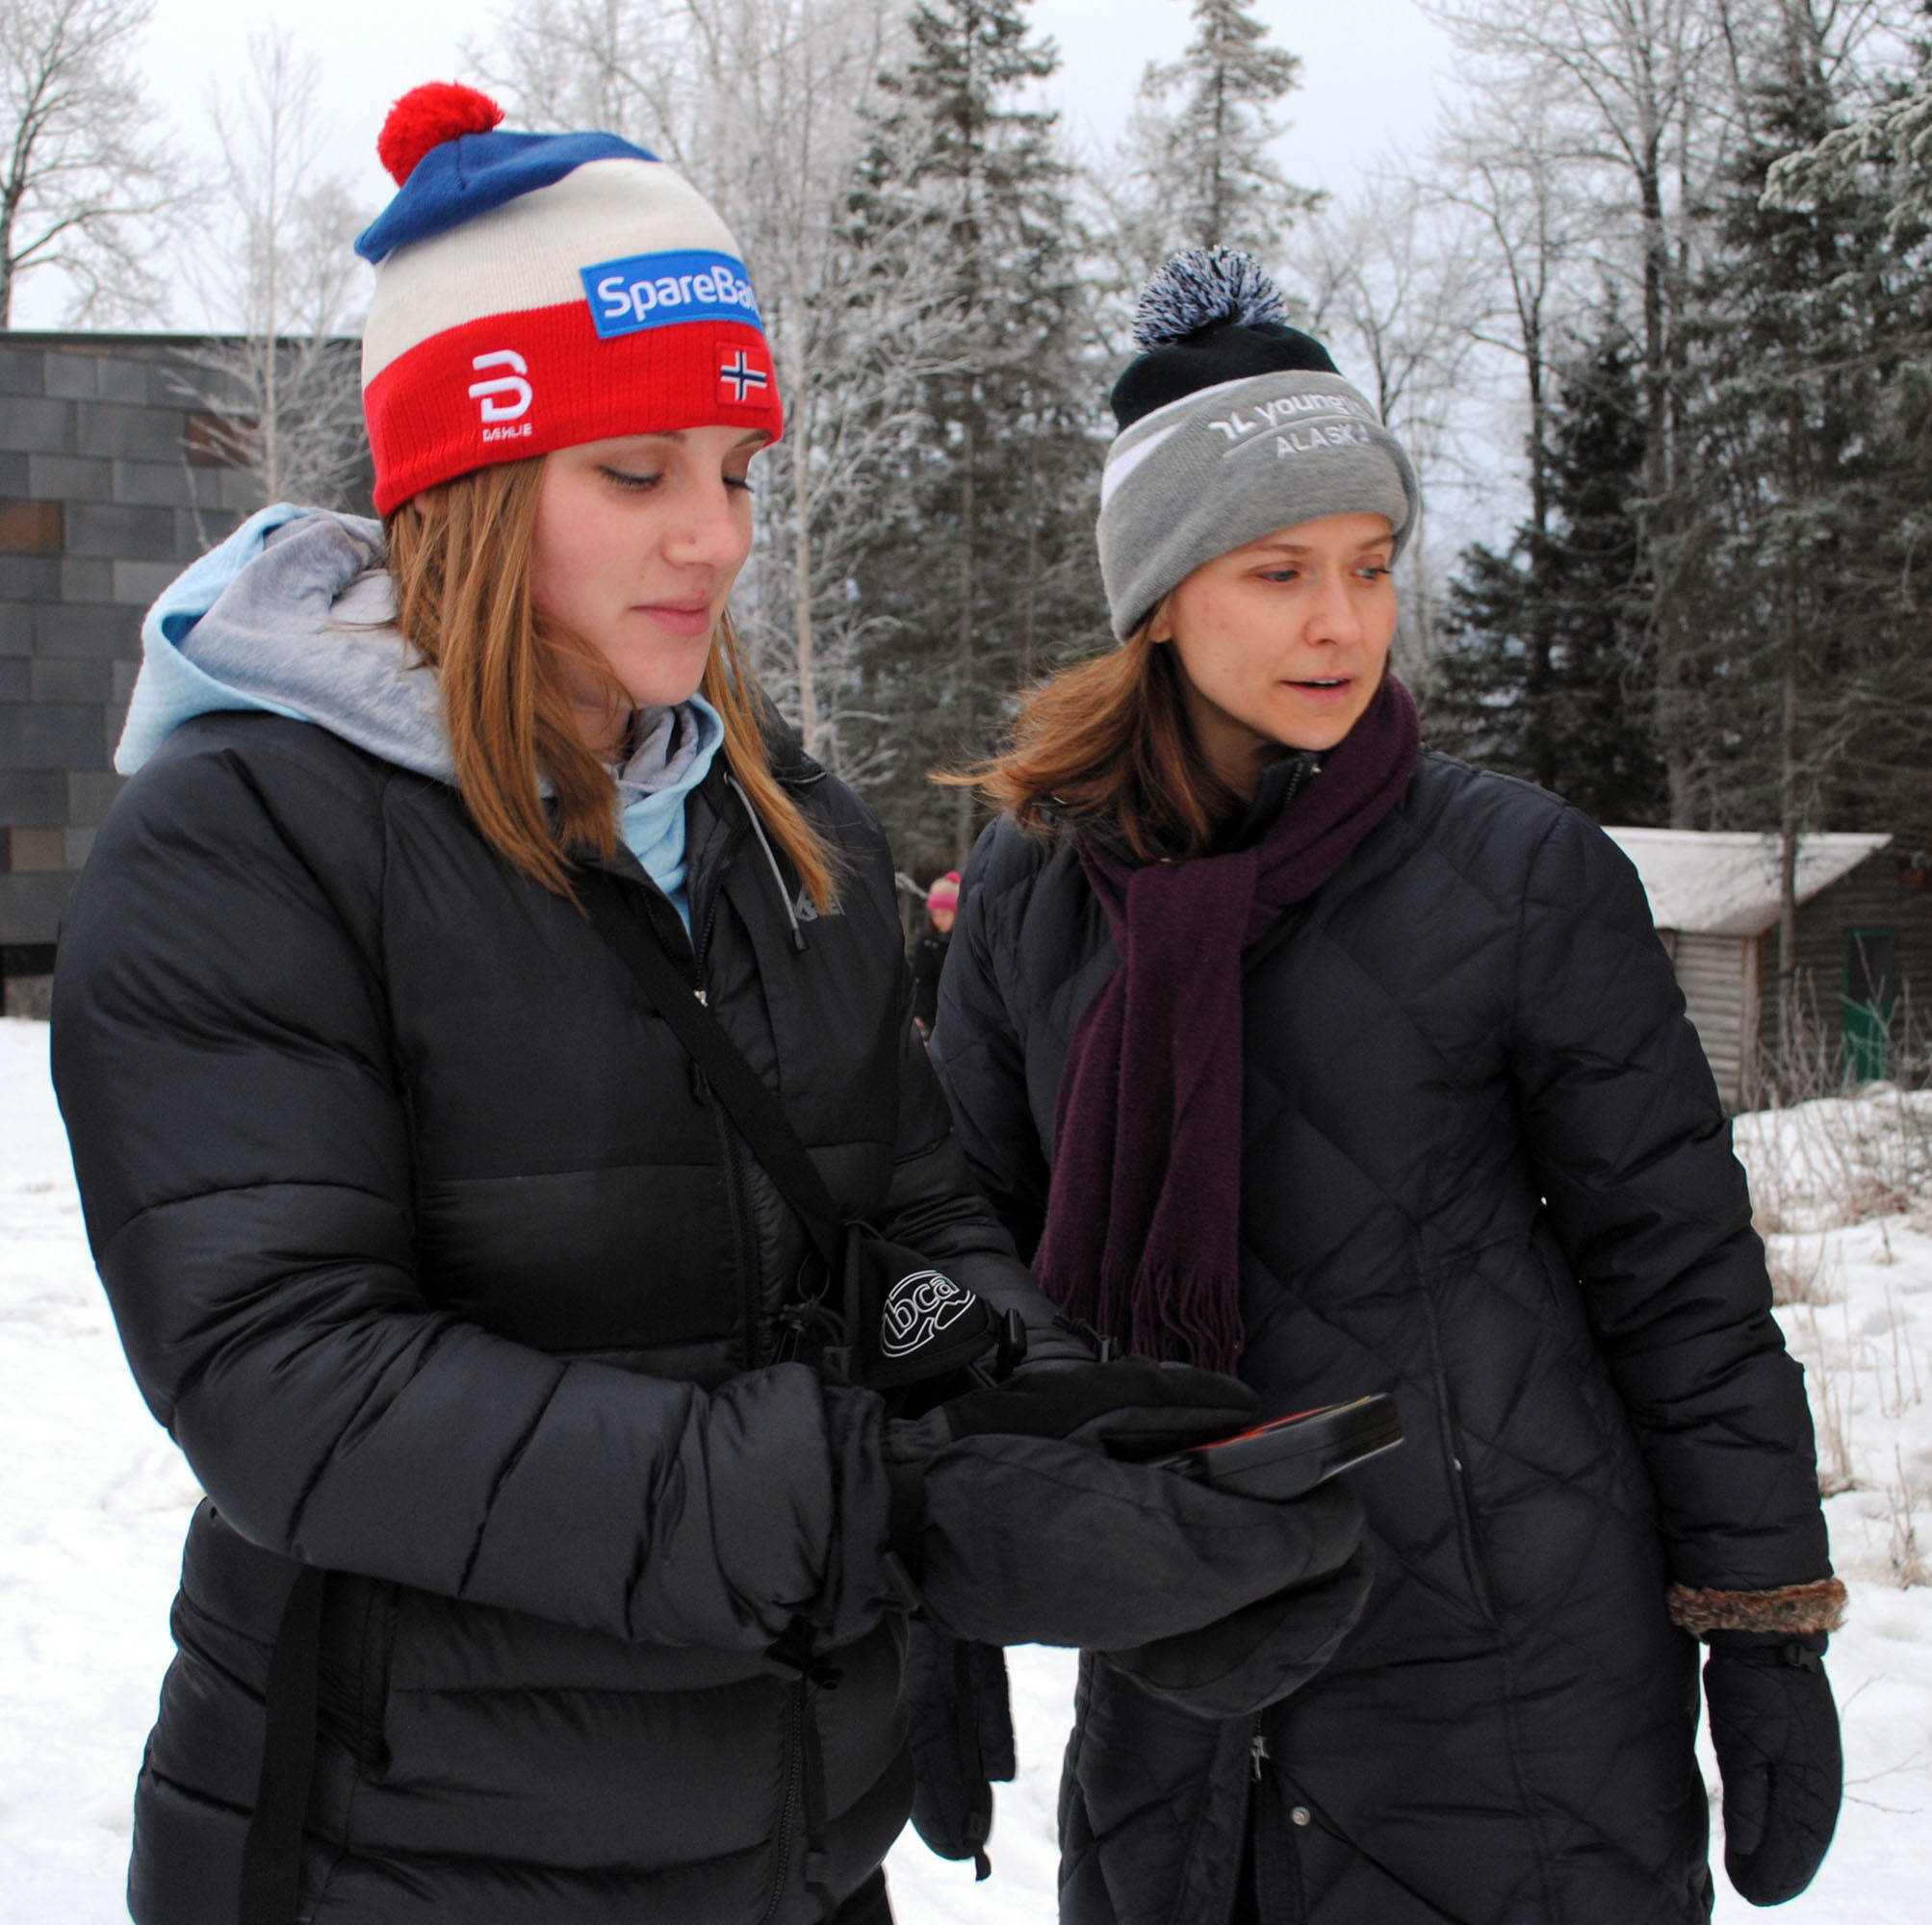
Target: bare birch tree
279,271
82,176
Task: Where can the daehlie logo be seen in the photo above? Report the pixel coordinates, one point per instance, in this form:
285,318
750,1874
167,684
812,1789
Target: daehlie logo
919,1308
659,289
505,398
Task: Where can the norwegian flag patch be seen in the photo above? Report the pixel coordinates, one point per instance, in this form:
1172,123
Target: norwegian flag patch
741,378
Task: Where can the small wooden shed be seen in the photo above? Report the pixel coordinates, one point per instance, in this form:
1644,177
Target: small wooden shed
1864,941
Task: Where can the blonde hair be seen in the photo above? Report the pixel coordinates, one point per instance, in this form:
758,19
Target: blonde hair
460,556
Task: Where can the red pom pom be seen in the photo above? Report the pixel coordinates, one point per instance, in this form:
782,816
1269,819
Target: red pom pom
425,117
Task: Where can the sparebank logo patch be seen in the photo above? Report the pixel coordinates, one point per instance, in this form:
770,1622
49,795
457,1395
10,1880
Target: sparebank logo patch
661,290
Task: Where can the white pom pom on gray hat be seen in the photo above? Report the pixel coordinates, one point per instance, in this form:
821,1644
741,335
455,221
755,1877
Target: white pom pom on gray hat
1203,287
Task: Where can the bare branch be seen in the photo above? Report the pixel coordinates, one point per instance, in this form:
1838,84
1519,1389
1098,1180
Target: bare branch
84,179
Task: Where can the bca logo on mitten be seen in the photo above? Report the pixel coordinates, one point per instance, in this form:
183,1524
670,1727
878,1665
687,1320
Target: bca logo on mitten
919,1308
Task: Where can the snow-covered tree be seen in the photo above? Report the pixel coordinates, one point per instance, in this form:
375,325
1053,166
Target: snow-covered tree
84,178
1194,168
982,564
763,104
276,270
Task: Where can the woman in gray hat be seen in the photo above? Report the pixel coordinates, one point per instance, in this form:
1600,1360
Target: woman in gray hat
1286,1046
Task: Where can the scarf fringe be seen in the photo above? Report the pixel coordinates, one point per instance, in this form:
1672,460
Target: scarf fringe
1174,1316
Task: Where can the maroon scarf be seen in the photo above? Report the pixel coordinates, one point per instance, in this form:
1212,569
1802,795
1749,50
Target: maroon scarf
1144,1222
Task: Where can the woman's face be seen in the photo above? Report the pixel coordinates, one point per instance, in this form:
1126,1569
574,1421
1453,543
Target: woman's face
1283,643
639,541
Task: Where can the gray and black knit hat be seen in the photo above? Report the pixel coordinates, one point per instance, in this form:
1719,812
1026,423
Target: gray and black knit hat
1232,424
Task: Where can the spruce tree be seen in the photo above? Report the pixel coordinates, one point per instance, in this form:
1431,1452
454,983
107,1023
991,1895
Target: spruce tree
1601,719
1197,167
982,569
1793,540
1547,672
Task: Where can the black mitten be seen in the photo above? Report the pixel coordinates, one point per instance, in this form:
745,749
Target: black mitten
1246,1663
1775,1731
1029,1540
960,1728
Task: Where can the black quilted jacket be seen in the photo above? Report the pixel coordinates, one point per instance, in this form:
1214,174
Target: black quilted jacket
1486,1170
439,1269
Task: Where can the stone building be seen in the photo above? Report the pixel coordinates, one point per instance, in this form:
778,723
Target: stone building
114,474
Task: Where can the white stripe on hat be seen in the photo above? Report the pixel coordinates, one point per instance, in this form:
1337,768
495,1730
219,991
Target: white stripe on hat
1124,460
529,252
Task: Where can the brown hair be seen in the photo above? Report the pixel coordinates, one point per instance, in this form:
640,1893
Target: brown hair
1108,742
460,554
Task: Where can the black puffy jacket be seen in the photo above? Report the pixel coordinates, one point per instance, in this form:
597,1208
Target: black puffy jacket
1486,1170
427,1249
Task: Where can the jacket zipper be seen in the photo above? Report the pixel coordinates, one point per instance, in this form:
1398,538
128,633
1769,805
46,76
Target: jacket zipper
1258,1753
794,1792
1478,1551
1306,768
1482,1579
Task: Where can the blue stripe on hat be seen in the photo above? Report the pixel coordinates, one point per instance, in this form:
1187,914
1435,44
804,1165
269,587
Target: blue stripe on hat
463,178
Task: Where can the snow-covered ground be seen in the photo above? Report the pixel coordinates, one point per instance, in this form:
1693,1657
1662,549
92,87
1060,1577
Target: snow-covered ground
96,1501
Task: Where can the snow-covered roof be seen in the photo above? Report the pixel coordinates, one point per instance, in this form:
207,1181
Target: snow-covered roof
1716,882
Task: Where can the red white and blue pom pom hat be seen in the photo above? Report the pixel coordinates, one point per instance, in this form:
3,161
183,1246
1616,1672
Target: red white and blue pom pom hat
536,291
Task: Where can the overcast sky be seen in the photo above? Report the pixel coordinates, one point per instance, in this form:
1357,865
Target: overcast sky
1369,74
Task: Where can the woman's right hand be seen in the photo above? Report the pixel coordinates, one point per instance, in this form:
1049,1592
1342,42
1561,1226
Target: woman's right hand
1035,1540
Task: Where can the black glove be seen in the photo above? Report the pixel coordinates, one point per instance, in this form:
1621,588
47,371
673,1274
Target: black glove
1775,1731
1257,1656
959,1729
1133,1408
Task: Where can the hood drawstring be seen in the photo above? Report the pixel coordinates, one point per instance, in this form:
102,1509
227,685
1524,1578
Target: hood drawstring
771,858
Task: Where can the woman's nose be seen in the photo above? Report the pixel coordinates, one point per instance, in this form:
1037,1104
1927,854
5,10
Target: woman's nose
709,529
1333,615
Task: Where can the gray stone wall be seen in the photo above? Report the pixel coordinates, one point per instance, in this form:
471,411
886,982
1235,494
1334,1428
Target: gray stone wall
110,485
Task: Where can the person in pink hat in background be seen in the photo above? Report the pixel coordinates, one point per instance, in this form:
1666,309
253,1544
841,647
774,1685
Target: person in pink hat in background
541,1577
928,952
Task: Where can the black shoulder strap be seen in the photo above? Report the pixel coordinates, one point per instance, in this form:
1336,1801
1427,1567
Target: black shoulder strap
747,1098
272,1852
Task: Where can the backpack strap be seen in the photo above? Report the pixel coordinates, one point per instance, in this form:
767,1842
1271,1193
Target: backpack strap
272,1852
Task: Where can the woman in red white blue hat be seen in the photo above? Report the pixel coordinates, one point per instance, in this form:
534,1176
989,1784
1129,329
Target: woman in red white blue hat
551,1566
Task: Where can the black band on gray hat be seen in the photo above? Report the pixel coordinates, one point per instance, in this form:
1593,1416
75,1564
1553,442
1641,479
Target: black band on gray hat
1232,425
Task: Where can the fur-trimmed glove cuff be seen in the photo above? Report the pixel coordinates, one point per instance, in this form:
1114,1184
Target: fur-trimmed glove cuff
1795,1611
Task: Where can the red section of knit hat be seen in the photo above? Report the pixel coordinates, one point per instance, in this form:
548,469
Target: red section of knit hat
424,117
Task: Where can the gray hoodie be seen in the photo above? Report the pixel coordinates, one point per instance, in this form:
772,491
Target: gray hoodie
294,614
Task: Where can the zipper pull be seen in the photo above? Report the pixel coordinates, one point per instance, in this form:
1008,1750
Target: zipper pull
1258,1754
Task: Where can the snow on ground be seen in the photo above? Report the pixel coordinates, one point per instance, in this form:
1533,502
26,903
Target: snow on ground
96,1501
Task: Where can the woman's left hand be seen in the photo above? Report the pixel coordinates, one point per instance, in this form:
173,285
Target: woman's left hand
1775,1729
